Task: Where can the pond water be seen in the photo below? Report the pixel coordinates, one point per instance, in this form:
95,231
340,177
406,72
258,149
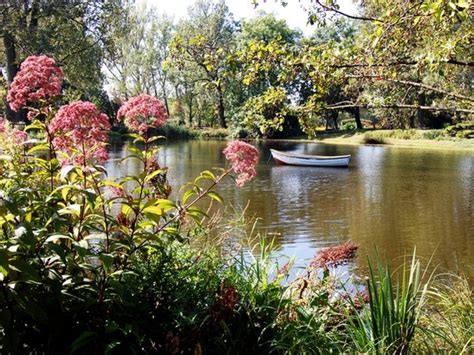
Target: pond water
392,199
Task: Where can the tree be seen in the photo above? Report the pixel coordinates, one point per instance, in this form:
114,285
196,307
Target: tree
69,32
413,57
138,48
266,28
206,40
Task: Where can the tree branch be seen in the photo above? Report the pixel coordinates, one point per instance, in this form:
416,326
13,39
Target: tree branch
337,11
392,64
412,83
400,106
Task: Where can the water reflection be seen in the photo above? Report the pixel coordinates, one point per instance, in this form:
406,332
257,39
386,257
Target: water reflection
389,198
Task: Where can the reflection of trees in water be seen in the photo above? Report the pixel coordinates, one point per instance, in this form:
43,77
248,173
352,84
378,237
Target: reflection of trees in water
369,163
305,203
422,204
466,177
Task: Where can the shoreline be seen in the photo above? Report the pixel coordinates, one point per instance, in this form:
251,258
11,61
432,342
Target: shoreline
354,139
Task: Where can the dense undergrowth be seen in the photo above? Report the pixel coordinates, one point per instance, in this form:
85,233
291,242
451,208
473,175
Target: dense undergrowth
90,264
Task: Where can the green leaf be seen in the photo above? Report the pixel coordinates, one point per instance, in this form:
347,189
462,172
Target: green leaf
154,213
153,174
187,195
215,196
40,148
107,259
66,170
74,210
3,261
82,341
57,237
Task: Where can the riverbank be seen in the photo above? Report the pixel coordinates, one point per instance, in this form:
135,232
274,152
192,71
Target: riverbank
411,138
396,138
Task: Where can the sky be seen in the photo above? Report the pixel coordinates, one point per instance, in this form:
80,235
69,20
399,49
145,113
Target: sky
293,13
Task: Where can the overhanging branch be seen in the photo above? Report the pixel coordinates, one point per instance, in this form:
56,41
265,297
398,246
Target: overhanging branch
412,83
402,62
400,106
339,12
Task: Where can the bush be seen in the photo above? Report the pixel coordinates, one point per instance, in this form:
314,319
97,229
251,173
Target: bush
433,134
214,133
461,130
348,125
175,131
241,133
373,138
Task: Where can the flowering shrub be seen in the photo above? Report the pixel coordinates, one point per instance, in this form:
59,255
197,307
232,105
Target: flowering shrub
336,255
38,79
70,237
243,158
80,131
142,112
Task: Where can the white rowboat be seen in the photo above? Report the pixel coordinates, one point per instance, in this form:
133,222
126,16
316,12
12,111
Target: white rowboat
310,160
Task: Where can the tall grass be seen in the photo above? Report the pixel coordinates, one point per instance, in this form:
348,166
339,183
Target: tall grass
448,318
373,138
395,301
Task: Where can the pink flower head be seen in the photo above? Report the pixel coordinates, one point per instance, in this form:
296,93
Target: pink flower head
244,158
336,255
38,79
142,112
19,137
80,130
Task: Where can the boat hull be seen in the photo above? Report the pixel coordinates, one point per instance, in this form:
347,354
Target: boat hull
311,160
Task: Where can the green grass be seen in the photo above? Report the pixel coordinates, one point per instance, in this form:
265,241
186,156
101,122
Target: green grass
395,301
447,321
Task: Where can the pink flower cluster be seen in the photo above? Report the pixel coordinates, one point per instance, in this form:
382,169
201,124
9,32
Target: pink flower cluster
80,130
244,158
38,79
142,112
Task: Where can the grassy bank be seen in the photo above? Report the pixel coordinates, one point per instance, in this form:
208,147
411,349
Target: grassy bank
427,139
411,138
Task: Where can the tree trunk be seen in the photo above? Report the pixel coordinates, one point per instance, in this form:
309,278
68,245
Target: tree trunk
178,101
190,112
421,114
220,108
357,117
12,69
165,98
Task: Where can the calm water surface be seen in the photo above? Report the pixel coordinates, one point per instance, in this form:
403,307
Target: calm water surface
394,199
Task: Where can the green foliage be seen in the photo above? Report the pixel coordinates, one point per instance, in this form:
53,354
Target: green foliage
461,130
348,125
69,238
433,134
266,113
177,131
390,321
447,322
201,53
266,28
220,133
373,138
